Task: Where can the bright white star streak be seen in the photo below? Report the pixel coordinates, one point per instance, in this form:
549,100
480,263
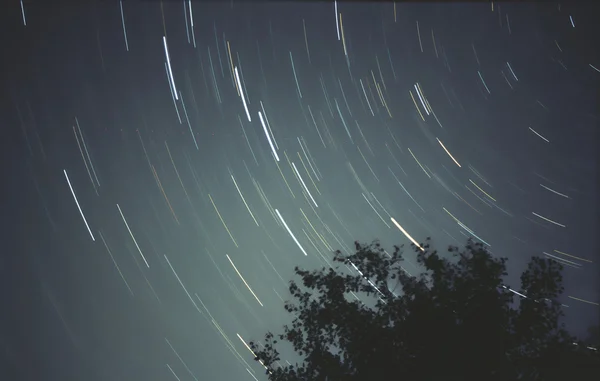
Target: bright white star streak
237,79
192,22
23,13
169,66
268,136
448,152
337,25
406,234
289,231
304,185
78,207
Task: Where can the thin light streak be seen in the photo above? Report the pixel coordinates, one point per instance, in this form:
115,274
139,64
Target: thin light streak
78,206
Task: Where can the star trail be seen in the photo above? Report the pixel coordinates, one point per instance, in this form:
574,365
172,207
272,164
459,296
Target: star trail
167,164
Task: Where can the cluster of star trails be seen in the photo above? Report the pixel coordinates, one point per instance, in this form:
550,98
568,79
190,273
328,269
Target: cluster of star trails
313,141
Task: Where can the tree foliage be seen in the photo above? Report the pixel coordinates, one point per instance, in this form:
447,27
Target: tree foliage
457,320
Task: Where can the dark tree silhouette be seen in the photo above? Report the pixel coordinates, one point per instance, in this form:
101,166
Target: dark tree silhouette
457,320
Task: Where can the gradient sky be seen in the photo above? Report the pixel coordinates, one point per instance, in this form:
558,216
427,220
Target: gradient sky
148,227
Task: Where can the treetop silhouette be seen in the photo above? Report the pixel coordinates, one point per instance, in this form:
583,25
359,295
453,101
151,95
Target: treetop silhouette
369,319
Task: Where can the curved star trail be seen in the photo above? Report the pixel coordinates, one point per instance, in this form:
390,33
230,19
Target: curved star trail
238,140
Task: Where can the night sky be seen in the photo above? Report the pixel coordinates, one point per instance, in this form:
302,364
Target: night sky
166,165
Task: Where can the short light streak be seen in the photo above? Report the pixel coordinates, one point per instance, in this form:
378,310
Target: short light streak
549,220
157,179
555,192
237,79
406,234
187,29
262,122
285,180
575,264
367,279
337,25
123,23
83,157
180,359
421,99
367,163
515,292
343,120
448,152
268,124
417,107
192,22
244,280
482,81
249,372
376,212
174,374
585,301
506,79
222,221
132,237
409,195
316,127
465,227
181,283
306,41
23,13
115,263
232,68
78,206
172,94
289,231
480,176
419,34
308,173
343,37
367,98
247,141
243,199
251,351
493,199
304,184
522,295
573,256
295,77
307,158
414,157
86,151
465,201
512,72
543,138
169,66
188,122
